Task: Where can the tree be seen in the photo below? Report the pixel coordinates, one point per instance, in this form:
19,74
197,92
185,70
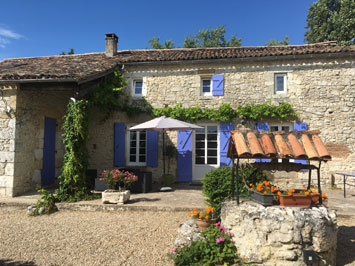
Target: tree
154,43
331,20
70,52
211,38
284,41
204,38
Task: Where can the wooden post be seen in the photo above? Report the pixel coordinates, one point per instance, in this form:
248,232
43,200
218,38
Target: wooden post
319,187
237,182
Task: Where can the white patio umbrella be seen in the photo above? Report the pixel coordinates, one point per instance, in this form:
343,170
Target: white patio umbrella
163,124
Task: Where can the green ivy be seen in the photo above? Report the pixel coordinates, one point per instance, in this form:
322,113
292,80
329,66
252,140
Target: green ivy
109,96
225,113
72,181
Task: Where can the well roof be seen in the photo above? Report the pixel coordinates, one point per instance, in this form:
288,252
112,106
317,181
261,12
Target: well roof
305,145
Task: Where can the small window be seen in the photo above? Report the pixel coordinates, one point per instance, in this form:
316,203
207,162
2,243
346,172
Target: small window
280,83
137,87
206,87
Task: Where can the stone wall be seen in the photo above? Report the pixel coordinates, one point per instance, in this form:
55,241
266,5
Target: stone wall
33,106
7,138
321,90
278,236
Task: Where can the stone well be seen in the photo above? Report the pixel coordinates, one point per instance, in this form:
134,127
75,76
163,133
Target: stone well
279,235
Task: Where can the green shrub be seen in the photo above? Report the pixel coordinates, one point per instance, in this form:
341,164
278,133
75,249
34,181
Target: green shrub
47,202
217,248
217,184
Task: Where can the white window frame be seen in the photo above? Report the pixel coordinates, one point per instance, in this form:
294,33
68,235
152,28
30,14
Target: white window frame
218,148
280,125
284,75
211,86
128,148
134,94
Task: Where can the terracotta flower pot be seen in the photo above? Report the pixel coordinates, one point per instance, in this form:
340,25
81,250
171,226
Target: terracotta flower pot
203,224
295,200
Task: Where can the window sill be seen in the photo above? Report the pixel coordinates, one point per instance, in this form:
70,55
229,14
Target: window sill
206,97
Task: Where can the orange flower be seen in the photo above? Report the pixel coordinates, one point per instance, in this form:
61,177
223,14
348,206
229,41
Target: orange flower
306,193
200,217
268,188
189,214
195,209
206,217
251,185
265,192
279,193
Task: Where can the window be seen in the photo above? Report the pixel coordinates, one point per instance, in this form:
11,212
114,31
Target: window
206,145
280,83
137,147
206,84
137,88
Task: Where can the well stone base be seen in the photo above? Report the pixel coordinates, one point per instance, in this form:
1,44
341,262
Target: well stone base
279,235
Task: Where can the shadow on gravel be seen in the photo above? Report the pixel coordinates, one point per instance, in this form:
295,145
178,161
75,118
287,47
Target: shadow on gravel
143,199
346,245
17,263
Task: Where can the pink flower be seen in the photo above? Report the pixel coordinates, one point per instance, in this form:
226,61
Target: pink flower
219,240
173,250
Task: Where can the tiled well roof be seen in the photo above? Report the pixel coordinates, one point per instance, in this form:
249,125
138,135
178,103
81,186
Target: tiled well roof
82,66
305,145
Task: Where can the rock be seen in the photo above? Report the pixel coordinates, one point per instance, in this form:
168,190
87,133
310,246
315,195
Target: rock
187,232
41,210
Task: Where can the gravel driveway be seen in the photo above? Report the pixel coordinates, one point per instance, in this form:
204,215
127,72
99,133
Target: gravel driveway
108,238
88,238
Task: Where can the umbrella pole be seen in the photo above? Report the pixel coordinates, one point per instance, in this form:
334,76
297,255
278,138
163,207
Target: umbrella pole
164,156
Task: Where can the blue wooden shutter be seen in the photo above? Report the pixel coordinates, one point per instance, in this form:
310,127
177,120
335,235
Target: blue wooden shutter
224,134
184,160
152,148
299,126
48,170
119,144
262,126
217,85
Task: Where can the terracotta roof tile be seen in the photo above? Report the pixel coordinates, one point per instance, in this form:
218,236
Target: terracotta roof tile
82,66
278,145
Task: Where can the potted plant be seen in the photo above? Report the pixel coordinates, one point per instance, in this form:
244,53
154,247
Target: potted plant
118,183
204,218
263,193
298,197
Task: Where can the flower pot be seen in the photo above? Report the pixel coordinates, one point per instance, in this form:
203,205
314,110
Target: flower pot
263,199
203,224
295,200
116,197
315,198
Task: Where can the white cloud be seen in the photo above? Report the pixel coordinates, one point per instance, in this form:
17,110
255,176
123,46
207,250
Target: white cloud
6,35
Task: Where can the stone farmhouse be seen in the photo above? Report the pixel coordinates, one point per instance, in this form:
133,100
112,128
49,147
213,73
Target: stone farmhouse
318,80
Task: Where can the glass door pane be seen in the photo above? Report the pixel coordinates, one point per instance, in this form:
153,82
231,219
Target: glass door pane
200,144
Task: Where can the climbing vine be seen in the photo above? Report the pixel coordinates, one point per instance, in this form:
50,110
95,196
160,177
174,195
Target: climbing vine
72,181
225,113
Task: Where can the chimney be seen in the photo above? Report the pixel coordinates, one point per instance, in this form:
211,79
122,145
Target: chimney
111,44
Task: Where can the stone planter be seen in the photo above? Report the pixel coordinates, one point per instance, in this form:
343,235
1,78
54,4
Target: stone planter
263,199
116,197
203,224
295,200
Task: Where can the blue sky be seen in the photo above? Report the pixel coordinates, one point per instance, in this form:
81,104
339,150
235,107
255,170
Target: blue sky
42,27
